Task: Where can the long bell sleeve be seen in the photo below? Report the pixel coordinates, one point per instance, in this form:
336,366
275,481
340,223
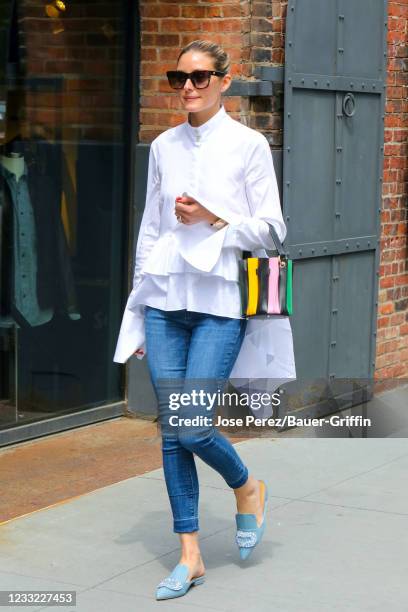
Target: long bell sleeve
251,233
150,223
132,330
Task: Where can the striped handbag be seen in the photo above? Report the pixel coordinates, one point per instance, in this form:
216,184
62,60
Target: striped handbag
266,282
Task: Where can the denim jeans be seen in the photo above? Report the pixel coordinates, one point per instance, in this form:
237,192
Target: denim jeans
189,351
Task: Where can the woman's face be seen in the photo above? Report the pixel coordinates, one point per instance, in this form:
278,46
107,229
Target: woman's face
195,100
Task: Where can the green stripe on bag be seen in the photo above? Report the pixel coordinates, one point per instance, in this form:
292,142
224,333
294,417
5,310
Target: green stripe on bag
289,304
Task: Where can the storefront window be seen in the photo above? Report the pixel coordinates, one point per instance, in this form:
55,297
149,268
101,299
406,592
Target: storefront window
62,186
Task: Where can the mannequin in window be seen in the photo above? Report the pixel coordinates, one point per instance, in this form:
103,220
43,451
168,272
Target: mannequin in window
36,262
24,252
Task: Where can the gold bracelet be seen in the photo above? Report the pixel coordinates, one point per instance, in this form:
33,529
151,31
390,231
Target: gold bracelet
219,223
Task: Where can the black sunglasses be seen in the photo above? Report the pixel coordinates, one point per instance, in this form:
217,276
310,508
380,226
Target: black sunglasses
199,78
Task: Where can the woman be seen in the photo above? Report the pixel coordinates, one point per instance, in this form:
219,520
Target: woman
211,191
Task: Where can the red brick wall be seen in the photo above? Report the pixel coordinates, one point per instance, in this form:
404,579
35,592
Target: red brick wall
254,33
168,26
392,331
268,47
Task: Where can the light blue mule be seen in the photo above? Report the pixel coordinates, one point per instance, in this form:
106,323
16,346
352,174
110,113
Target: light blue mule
176,584
248,533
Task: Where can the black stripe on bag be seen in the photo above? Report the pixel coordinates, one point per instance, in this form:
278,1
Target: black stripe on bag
283,271
263,278
243,284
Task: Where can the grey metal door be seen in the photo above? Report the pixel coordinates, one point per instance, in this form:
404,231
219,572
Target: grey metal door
332,178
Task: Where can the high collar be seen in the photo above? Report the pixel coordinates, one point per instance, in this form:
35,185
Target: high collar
201,132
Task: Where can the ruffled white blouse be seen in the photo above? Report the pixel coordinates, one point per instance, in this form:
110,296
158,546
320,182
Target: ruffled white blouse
228,168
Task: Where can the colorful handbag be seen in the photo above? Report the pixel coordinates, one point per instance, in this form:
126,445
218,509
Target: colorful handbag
266,282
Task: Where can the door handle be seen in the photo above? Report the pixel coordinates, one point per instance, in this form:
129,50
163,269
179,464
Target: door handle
349,104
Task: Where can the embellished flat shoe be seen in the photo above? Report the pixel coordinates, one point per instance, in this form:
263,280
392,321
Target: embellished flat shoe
248,533
176,584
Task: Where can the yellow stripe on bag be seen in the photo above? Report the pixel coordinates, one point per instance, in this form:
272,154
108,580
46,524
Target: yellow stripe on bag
252,285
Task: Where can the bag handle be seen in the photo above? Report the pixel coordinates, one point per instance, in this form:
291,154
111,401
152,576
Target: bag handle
270,253
278,244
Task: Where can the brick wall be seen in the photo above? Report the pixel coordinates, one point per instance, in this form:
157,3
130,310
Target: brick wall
267,39
253,33
392,330
168,26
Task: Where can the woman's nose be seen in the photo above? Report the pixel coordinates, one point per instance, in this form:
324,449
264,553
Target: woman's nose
191,86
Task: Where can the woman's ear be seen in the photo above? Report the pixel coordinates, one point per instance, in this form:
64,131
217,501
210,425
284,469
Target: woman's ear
226,82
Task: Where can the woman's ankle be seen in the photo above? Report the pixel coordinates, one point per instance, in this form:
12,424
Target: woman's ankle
192,555
194,561
251,487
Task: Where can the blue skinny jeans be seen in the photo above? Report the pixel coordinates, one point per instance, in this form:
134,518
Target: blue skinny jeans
186,352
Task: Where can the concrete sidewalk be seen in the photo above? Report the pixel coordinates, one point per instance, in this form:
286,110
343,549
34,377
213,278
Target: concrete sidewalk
336,537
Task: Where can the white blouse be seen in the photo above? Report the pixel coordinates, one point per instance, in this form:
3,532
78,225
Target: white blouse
228,168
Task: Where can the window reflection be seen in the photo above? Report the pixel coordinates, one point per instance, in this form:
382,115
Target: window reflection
61,205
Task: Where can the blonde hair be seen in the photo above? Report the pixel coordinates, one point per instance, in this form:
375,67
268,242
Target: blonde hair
220,57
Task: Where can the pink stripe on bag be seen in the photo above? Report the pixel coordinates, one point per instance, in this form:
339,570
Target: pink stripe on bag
273,286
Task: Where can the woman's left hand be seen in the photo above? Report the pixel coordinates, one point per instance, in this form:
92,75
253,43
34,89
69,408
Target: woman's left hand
190,211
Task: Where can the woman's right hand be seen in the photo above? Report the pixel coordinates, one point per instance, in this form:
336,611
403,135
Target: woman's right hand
140,352
189,211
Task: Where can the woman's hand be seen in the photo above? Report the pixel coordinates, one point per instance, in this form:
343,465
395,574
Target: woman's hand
140,352
190,211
